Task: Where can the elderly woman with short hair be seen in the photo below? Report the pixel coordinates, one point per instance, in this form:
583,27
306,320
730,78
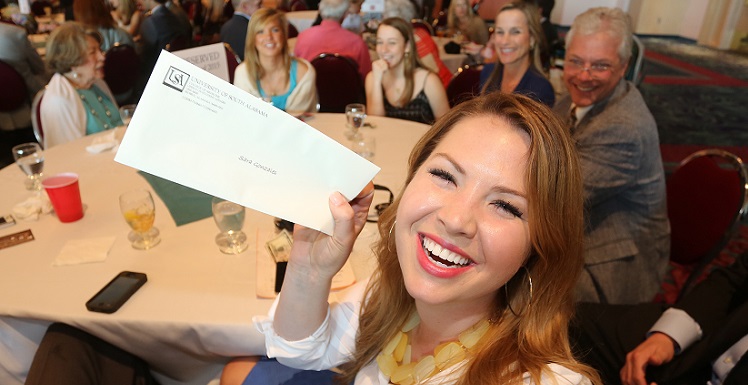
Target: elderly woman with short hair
77,101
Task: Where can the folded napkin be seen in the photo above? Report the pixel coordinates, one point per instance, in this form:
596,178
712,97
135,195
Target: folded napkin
88,250
32,207
103,143
185,205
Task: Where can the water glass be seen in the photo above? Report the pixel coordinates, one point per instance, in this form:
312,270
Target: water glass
30,158
364,145
126,112
139,211
355,113
229,218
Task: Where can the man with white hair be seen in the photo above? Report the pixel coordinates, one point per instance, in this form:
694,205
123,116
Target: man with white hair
627,239
331,37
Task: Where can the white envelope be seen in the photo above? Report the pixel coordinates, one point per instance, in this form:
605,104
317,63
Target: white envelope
197,130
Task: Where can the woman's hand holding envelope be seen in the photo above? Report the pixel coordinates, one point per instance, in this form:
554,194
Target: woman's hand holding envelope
315,258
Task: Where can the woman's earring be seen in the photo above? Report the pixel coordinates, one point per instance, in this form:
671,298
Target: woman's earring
389,238
75,74
529,301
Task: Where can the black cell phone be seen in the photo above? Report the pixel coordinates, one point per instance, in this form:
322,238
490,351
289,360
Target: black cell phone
6,221
116,292
280,275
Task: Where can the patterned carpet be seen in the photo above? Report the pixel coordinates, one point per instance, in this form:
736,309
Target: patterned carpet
698,96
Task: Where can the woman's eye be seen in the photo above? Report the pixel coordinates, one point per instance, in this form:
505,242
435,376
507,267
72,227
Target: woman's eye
441,174
508,207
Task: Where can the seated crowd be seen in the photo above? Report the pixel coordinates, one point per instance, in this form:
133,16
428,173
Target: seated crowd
562,199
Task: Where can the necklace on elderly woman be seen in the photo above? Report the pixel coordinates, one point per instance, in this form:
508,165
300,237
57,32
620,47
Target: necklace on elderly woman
395,359
99,111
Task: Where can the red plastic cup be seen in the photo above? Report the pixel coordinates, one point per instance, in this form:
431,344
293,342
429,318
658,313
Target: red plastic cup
65,196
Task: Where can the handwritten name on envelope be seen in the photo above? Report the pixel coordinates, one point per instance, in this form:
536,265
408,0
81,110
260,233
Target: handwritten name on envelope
199,131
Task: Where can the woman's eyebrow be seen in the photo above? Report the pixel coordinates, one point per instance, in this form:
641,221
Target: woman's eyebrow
502,189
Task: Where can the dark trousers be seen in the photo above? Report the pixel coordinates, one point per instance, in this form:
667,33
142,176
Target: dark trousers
601,336
69,356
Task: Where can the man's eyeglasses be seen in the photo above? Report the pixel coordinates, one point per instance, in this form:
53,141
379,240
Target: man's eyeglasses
577,65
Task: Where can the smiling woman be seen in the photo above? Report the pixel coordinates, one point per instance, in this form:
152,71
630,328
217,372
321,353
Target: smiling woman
518,41
477,261
399,85
77,101
269,72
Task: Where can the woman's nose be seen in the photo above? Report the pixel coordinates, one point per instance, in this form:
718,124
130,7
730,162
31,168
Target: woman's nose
457,214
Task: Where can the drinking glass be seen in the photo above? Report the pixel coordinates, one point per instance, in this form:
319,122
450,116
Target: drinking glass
229,217
30,158
126,112
139,212
364,145
355,114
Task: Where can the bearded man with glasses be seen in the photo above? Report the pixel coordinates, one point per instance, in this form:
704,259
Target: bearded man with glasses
627,239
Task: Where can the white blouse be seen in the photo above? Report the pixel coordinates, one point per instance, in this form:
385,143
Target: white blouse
333,344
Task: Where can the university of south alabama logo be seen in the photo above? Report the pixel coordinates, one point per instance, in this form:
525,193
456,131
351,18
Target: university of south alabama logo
176,79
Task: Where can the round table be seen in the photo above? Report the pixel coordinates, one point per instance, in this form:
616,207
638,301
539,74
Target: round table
196,309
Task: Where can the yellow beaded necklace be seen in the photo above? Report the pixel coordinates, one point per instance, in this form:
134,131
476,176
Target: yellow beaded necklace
395,359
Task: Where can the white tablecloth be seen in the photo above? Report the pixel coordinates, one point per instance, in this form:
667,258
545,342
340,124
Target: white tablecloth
195,311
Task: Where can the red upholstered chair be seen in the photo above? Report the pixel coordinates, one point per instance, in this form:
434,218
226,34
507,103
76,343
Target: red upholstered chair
298,5
36,117
233,61
706,197
338,82
292,31
179,43
122,71
14,93
37,7
464,86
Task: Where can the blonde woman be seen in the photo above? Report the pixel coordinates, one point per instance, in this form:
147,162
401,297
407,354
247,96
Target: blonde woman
269,72
518,40
464,24
399,85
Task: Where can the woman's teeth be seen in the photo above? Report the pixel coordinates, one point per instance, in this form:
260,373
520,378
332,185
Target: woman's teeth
443,256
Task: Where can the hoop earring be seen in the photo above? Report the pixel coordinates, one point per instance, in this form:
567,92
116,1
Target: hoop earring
509,303
390,236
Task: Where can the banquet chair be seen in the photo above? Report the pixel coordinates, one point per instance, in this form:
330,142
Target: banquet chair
420,23
298,5
15,104
37,7
634,71
122,71
233,61
14,92
706,199
179,42
338,82
464,86
36,117
292,31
